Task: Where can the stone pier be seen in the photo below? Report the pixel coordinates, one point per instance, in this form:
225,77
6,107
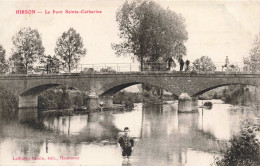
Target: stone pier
187,104
93,102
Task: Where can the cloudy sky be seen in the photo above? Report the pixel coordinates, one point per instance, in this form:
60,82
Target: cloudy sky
216,28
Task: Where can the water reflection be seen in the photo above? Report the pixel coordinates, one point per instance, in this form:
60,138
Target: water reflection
66,125
28,115
163,137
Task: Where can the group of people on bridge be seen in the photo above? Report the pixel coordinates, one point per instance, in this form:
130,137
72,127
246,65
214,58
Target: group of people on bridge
184,66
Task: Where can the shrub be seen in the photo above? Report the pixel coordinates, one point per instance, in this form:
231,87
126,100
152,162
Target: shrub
244,149
237,95
8,102
54,99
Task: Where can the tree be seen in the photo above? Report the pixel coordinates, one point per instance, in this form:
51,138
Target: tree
252,63
69,48
51,63
8,101
27,48
204,64
150,32
3,63
238,95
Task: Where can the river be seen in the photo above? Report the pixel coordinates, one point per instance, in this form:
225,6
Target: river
162,136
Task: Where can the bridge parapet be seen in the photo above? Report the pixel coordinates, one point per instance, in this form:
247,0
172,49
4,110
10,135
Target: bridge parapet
179,73
126,67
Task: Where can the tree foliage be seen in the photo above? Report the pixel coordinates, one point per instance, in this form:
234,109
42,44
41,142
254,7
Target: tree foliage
238,95
8,102
69,48
51,63
55,99
150,32
252,63
204,64
27,47
244,149
3,63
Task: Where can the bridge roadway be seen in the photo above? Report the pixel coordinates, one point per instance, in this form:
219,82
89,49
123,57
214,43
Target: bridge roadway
27,87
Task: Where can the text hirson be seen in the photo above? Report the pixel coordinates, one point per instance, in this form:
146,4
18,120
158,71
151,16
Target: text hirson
25,11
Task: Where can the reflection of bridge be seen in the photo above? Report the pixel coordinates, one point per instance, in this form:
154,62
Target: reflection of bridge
28,87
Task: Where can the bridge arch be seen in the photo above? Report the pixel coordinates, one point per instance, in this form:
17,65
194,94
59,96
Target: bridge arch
118,86
35,91
220,85
29,97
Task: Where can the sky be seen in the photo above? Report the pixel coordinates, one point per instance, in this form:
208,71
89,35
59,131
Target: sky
216,28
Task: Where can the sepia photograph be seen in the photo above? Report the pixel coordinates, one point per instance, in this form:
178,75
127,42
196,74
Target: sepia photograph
130,82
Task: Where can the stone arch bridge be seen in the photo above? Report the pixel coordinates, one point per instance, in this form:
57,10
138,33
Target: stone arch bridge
27,87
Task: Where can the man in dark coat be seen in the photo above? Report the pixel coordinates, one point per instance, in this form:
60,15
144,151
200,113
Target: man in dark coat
181,64
126,143
169,61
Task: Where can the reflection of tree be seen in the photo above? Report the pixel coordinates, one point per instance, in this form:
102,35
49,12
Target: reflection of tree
100,127
1,126
28,148
29,143
97,127
154,115
182,155
164,139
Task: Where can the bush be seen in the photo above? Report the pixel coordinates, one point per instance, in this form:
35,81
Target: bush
244,149
237,95
54,99
217,96
127,98
8,102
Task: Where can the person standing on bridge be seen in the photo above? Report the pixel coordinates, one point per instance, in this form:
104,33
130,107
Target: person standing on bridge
181,63
187,63
226,63
126,143
169,62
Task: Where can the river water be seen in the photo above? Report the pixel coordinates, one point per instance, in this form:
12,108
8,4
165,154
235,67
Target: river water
162,136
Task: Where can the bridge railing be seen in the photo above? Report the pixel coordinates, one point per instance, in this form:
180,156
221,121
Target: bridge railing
155,67
125,67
